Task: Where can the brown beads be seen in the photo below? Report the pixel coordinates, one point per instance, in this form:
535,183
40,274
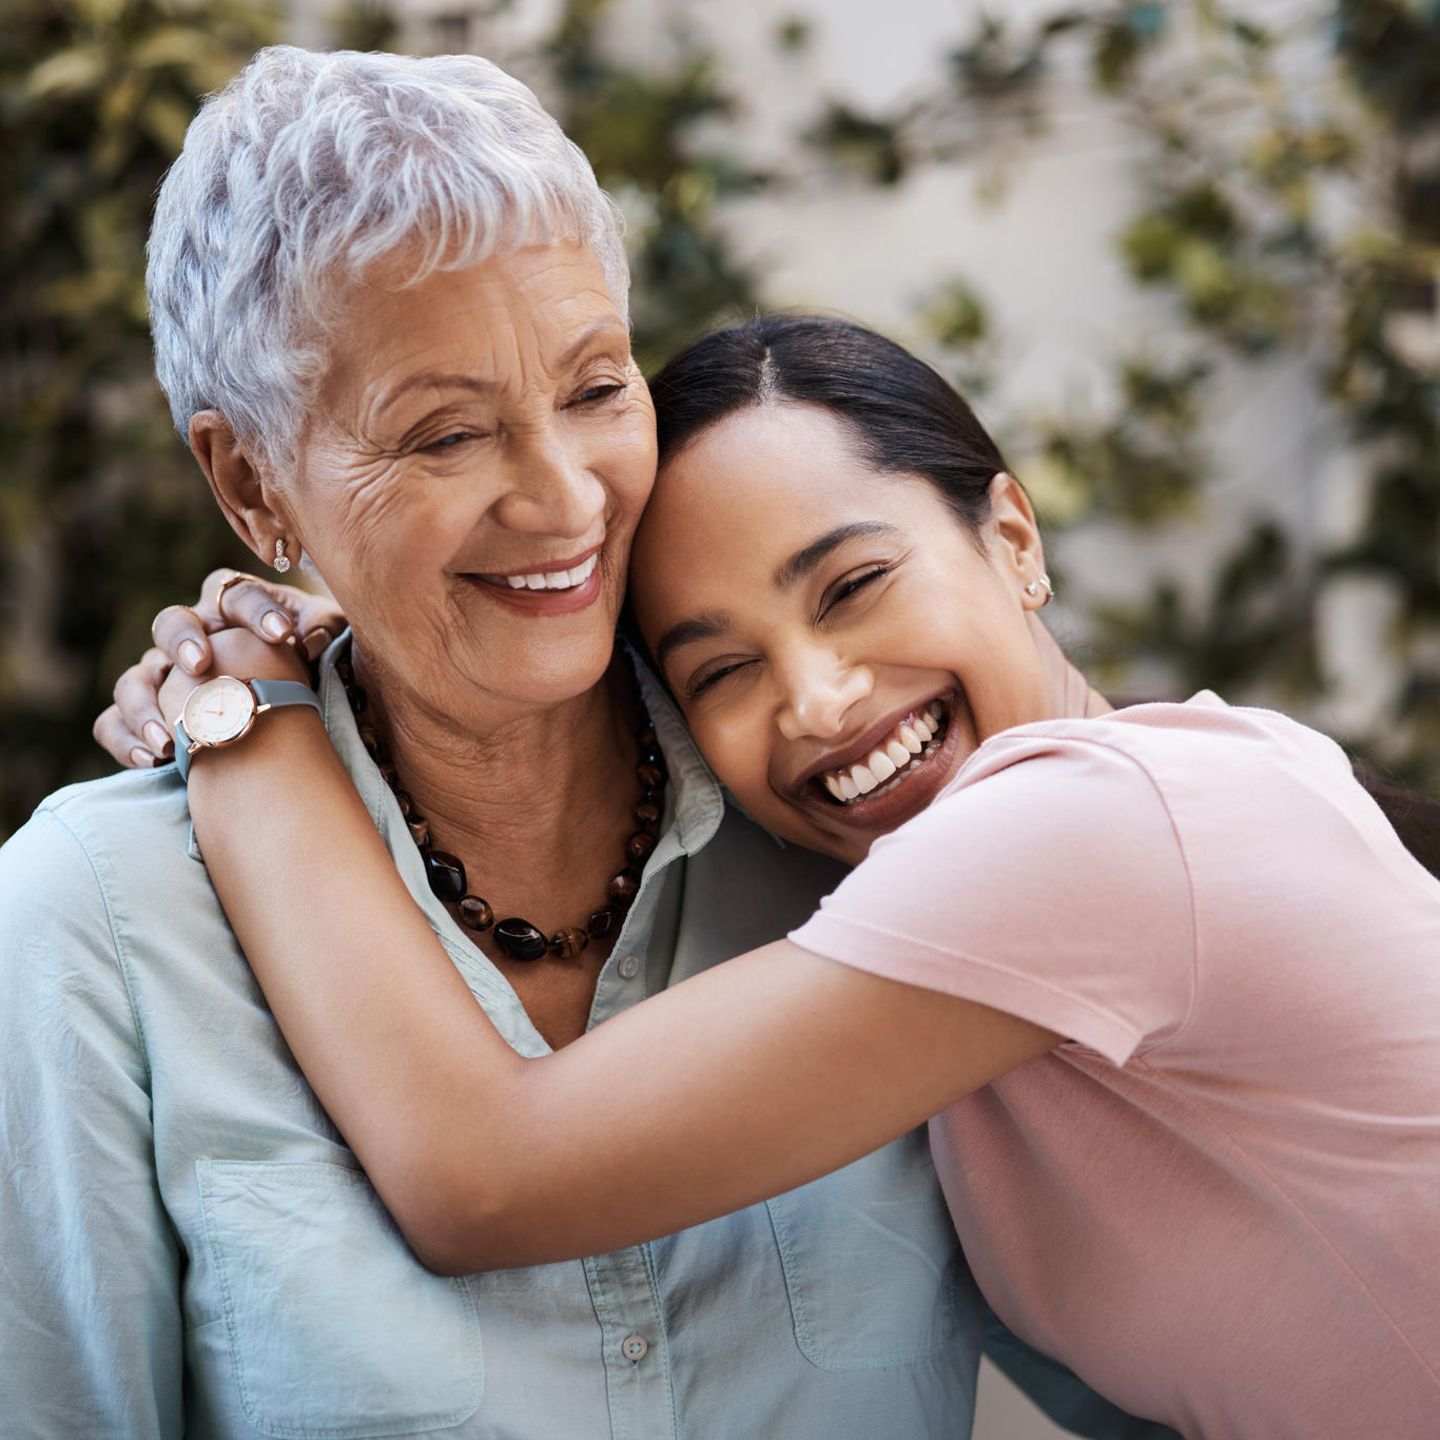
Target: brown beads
569,942
520,940
517,937
446,876
625,886
475,913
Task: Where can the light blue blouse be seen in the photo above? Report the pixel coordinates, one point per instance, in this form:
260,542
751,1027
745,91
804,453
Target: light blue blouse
188,1248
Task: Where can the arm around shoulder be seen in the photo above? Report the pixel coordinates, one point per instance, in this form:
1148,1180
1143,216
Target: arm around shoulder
90,1323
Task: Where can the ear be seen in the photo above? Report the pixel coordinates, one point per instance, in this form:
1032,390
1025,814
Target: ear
236,482
1014,533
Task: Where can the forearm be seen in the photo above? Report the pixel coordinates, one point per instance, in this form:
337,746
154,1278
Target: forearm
753,1078
378,1017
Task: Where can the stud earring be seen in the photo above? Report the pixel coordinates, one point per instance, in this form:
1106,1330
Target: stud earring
1032,589
282,560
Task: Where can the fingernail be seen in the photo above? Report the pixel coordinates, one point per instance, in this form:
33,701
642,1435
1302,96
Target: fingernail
315,643
191,655
142,759
274,625
155,737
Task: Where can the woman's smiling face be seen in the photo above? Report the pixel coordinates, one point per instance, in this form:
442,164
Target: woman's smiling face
838,640
472,476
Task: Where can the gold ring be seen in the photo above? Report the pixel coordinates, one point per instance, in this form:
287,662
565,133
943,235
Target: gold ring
235,579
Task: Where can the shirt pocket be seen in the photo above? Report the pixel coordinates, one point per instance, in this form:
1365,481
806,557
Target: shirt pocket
336,1331
874,1272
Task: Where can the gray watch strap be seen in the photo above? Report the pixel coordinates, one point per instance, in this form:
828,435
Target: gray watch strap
274,693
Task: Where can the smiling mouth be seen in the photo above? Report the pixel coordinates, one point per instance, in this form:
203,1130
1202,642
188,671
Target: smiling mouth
571,578
900,755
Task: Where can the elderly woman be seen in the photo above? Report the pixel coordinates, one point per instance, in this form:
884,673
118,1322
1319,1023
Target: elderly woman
389,305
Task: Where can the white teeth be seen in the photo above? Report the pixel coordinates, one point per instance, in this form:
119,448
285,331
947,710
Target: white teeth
554,579
911,738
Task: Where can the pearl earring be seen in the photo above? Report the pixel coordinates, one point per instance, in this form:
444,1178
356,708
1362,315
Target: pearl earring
282,560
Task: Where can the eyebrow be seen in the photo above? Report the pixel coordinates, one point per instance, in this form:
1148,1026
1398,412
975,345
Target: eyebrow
803,562
476,384
588,334
687,632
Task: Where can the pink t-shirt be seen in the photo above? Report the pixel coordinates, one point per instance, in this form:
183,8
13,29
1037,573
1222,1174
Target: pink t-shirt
1219,1201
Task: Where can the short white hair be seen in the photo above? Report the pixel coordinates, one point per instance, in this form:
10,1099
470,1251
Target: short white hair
305,170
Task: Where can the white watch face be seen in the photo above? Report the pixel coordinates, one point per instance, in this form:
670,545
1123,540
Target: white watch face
218,711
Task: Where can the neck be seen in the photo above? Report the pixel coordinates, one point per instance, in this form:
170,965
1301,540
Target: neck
531,802
1071,694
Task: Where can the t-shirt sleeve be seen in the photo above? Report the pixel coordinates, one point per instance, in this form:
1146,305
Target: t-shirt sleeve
1049,883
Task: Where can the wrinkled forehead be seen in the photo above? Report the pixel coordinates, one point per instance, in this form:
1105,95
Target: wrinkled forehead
516,319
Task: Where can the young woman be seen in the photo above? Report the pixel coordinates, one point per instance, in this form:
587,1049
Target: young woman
1165,977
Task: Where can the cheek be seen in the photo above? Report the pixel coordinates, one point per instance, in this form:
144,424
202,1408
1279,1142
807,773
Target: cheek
378,535
628,464
731,744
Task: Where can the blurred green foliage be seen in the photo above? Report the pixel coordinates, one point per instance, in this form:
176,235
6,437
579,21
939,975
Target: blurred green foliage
95,96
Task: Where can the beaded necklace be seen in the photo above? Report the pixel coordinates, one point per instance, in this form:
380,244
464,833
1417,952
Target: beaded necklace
516,936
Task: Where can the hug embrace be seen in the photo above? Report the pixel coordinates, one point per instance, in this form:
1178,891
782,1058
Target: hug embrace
407,1094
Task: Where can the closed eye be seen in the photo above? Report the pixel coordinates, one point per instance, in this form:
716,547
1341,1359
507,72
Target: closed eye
700,686
449,442
599,394
848,587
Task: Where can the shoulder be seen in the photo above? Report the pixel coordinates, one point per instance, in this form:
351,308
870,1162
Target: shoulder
1047,880
87,859
1039,792
136,818
1165,754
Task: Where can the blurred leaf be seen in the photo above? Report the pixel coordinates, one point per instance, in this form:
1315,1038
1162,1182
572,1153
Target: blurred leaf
870,146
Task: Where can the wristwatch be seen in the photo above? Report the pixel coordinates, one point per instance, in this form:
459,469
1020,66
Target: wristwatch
221,711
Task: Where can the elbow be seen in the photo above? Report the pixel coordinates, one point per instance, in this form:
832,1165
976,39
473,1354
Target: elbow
441,1256
455,1228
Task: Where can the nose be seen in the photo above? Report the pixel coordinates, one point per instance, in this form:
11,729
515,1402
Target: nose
552,490
819,687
